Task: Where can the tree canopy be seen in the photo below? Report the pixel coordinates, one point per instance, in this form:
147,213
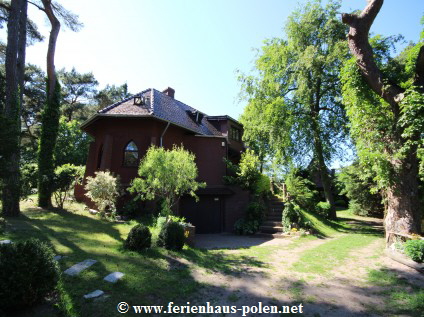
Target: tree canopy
167,175
295,112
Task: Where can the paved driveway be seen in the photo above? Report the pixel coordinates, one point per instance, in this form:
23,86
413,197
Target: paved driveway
232,241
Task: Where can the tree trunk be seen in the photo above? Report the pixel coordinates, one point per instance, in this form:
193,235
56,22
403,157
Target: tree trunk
50,116
403,203
322,168
10,117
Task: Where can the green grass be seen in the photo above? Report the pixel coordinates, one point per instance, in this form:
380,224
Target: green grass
152,277
400,296
323,258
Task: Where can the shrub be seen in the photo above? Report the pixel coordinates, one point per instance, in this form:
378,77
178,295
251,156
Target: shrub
139,238
171,236
415,250
323,208
65,177
28,272
29,175
301,190
245,227
292,216
358,184
254,216
103,190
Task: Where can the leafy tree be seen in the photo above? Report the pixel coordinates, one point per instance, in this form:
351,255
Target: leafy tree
167,175
361,189
294,109
110,95
77,90
72,144
10,113
387,94
66,176
51,112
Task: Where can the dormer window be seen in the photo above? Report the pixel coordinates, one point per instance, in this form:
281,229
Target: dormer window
138,100
195,115
131,155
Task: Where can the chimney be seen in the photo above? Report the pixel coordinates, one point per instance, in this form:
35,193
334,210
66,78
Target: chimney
169,92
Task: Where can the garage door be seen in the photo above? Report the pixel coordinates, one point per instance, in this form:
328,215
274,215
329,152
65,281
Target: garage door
206,214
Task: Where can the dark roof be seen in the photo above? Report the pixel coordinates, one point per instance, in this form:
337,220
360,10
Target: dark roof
163,107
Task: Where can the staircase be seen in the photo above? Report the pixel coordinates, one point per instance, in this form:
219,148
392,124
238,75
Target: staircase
272,222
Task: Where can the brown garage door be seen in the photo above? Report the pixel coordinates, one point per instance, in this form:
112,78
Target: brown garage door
206,214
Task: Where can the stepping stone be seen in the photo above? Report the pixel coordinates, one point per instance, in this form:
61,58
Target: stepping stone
5,242
58,257
79,267
114,277
94,294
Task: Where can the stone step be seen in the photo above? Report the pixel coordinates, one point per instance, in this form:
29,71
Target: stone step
271,235
79,267
272,223
271,229
274,214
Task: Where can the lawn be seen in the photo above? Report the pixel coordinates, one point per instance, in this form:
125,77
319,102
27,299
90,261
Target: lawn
289,272
154,277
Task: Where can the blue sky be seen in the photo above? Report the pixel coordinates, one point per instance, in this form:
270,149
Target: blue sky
193,46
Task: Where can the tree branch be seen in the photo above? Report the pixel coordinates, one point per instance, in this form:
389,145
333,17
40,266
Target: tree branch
4,6
362,50
37,6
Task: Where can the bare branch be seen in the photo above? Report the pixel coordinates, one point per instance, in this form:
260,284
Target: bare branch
362,50
37,6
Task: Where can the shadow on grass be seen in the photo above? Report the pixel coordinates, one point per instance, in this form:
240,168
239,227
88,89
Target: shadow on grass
323,227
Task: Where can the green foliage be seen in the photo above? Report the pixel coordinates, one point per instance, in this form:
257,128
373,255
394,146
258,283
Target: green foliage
254,215
415,250
49,130
323,208
171,236
386,137
72,144
292,217
77,89
103,190
28,273
29,174
359,186
166,174
111,94
139,238
301,190
66,176
294,106
248,172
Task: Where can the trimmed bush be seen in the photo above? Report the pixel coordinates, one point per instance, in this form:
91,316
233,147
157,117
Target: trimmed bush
139,238
171,236
323,208
28,273
415,250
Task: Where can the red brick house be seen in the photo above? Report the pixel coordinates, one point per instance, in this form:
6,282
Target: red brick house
124,131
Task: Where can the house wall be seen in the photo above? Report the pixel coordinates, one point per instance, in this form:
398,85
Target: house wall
113,134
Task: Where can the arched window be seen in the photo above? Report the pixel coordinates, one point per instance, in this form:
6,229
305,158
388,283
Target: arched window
131,154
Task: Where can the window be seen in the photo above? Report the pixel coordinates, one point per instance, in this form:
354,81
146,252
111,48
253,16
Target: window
235,134
131,154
